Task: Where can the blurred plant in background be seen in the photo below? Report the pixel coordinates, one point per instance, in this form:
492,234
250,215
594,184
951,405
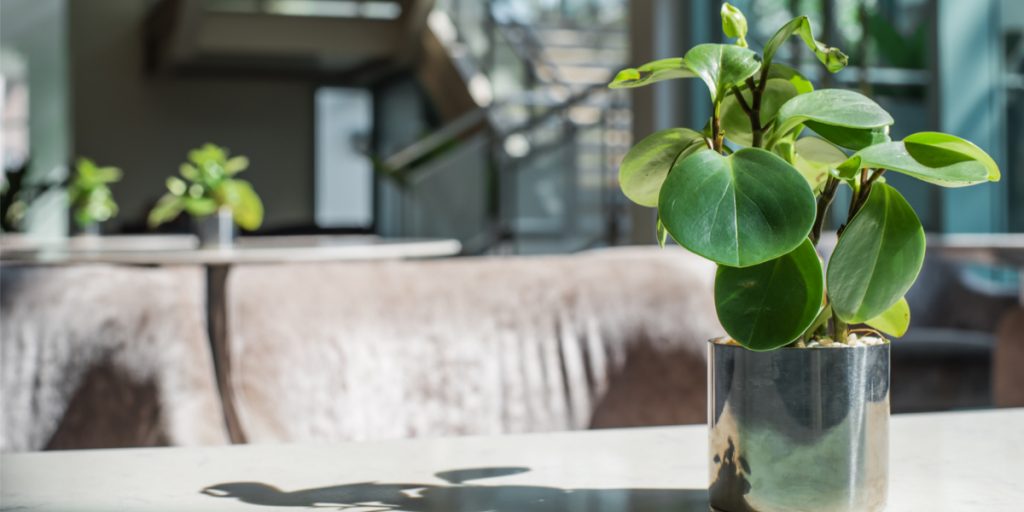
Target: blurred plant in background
89,194
208,186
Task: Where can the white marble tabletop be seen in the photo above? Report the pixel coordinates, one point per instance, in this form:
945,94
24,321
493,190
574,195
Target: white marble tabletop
20,243
953,462
184,250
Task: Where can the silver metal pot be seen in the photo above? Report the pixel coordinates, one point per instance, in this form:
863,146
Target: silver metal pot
92,229
217,230
798,429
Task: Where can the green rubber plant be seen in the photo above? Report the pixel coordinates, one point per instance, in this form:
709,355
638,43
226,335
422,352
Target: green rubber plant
89,193
751,190
208,184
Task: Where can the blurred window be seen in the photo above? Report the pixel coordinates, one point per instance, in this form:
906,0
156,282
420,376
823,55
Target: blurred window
374,9
344,173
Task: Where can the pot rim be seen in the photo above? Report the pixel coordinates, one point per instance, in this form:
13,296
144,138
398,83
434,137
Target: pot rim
711,342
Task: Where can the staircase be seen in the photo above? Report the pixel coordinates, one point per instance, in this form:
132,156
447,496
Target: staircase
530,136
559,132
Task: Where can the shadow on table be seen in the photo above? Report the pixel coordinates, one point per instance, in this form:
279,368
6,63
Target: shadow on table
463,497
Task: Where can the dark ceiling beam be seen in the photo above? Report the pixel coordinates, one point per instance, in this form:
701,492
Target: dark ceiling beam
269,34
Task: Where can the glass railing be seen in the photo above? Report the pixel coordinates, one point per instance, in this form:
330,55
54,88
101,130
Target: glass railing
557,133
367,9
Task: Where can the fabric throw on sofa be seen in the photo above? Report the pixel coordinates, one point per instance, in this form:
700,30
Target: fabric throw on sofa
105,356
355,351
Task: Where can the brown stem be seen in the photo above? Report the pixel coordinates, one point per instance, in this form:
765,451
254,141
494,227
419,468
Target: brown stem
763,84
855,200
865,189
828,193
862,195
878,173
756,92
742,101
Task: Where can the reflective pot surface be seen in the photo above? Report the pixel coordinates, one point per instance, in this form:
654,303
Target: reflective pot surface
92,229
798,429
217,230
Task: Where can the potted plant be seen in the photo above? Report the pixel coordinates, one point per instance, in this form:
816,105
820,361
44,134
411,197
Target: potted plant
209,191
799,389
89,195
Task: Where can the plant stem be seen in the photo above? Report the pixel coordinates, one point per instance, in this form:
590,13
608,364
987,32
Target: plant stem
839,328
741,100
861,192
756,91
878,173
860,196
716,127
762,83
820,321
828,193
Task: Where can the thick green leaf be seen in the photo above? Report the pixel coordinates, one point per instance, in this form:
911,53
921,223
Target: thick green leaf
832,58
877,258
815,158
89,195
784,72
737,210
211,172
100,207
245,204
236,164
93,205
655,71
167,208
108,174
736,122
176,186
721,66
850,138
88,174
661,233
734,24
936,149
786,150
196,191
894,321
645,166
208,153
769,305
832,107
189,172
200,206
85,167
894,157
